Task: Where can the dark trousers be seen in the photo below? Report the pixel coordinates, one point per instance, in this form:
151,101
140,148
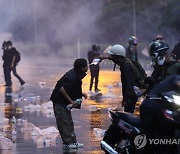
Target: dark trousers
16,75
7,75
64,123
94,70
130,104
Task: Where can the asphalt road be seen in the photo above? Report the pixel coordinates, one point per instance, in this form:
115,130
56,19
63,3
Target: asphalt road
34,131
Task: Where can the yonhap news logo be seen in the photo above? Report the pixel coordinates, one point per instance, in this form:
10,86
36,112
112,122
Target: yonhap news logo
140,141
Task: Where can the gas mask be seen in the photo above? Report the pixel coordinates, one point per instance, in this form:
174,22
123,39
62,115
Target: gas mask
160,60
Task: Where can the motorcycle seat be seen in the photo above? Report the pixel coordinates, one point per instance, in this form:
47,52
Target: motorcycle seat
129,118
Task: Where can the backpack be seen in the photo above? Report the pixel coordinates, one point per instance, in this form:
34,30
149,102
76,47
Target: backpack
18,56
138,73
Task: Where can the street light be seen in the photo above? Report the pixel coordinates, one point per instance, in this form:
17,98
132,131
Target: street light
78,48
35,21
134,17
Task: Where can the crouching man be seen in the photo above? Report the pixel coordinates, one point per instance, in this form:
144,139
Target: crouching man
67,90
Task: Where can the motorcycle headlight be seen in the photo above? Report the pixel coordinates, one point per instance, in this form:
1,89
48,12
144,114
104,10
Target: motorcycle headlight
169,99
176,99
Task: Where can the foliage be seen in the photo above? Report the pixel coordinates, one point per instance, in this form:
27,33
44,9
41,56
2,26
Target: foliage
171,17
152,17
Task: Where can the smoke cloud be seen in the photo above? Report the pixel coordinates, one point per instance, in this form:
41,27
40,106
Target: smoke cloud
51,22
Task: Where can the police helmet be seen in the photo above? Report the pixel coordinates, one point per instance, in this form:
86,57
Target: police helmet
133,40
158,48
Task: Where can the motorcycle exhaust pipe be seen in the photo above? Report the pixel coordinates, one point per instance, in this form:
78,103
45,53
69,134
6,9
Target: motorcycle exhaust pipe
108,148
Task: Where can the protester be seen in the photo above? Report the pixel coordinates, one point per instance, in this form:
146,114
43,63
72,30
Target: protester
67,90
7,57
162,63
132,54
11,58
16,59
176,51
117,54
131,51
94,68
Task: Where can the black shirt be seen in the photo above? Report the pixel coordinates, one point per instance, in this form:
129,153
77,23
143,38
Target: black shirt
7,57
71,82
127,81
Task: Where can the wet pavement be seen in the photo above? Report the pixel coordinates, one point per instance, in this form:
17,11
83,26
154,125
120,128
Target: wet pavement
28,118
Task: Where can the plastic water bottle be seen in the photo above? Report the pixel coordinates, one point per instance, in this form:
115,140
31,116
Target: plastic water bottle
137,91
95,61
14,132
13,120
69,107
19,122
44,143
77,103
8,94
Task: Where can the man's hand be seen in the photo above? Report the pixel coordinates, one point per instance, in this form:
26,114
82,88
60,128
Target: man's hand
64,93
72,102
12,66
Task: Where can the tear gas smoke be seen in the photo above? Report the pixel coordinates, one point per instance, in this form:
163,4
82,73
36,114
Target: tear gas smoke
49,23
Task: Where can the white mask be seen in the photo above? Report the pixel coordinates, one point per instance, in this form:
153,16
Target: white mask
161,60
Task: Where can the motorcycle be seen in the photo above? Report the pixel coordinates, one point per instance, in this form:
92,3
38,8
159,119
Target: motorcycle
125,127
